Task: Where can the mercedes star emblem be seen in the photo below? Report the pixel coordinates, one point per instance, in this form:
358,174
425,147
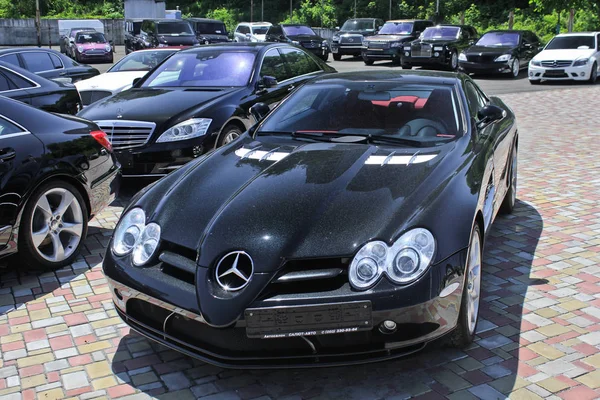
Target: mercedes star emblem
119,113
234,271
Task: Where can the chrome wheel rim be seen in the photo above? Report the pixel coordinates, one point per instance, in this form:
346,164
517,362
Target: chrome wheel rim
56,225
473,283
515,67
454,62
230,137
513,181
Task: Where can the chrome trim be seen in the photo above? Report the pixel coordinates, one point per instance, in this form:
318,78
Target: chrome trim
129,140
11,135
23,132
388,158
35,84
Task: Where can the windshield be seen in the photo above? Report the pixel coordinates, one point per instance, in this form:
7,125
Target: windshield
174,28
510,39
354,25
396,28
93,37
298,30
211,28
260,30
571,42
441,32
206,68
426,113
141,60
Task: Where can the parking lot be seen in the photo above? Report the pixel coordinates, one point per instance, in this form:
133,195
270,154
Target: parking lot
539,328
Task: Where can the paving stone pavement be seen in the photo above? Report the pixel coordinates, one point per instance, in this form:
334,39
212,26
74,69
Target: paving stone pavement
538,336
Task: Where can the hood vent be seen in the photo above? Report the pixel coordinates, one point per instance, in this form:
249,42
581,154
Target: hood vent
261,155
393,159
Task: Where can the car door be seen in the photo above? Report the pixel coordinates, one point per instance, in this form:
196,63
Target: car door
525,50
20,152
273,64
39,62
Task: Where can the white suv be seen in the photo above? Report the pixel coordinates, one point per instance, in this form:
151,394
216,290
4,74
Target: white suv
569,56
251,31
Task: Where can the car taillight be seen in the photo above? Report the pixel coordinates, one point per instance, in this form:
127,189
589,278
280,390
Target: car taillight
101,138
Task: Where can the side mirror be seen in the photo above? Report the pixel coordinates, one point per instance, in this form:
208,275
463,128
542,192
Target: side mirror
259,111
248,35
266,82
540,48
135,81
337,28
471,42
71,40
489,114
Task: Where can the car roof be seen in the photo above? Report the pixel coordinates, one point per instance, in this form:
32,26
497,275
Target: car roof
294,25
408,20
507,31
194,19
8,50
162,20
419,76
255,23
578,34
247,46
27,74
361,19
449,25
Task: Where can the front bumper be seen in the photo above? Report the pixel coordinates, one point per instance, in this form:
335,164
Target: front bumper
393,53
346,49
166,309
441,61
581,73
479,68
108,56
318,51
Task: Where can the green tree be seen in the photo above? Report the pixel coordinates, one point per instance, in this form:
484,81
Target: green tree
228,16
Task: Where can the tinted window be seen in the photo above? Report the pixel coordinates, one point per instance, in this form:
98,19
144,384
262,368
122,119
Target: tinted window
298,62
141,60
273,65
6,128
206,68
21,82
260,30
170,28
90,37
37,61
56,61
298,30
571,42
499,39
357,25
474,98
397,28
211,28
441,32
4,83
11,59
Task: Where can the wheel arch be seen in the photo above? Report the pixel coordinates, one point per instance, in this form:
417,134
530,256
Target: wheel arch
232,121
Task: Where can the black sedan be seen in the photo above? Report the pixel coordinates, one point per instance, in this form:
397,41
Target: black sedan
300,35
47,63
498,52
56,172
439,46
348,226
39,92
196,100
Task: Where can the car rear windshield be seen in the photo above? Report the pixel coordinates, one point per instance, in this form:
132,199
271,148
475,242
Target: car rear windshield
499,39
427,113
298,30
354,25
396,28
141,60
205,68
571,42
441,32
211,28
260,30
174,28
94,37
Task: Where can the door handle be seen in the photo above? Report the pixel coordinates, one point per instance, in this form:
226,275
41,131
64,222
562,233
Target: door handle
291,88
7,154
63,73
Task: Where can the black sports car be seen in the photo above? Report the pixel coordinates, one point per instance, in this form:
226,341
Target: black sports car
198,99
500,52
347,226
47,63
56,172
300,35
439,46
39,92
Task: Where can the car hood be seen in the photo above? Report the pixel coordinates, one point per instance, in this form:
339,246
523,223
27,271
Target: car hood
158,105
111,81
564,54
178,40
490,50
305,38
390,38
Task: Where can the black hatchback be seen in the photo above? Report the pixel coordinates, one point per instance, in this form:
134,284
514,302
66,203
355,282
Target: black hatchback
300,35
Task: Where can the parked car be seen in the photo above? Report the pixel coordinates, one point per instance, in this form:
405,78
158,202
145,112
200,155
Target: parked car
323,236
121,75
24,86
92,47
65,41
389,42
67,27
47,63
439,46
197,99
569,56
166,33
209,30
251,32
500,51
56,173
348,39
300,35
132,39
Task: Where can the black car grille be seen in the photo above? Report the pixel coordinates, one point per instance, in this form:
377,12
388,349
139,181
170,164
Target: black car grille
351,39
90,96
127,134
483,59
379,45
557,63
313,44
421,50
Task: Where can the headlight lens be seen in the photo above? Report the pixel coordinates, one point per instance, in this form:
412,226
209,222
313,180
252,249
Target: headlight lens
189,129
324,43
438,48
146,245
580,62
407,48
536,63
397,44
404,262
295,42
503,58
128,231
336,38
80,49
462,57
107,47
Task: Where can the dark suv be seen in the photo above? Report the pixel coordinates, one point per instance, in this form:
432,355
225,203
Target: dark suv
132,35
348,40
389,42
209,30
300,35
166,33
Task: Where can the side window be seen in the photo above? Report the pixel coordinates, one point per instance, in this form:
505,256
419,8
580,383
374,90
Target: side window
11,59
464,34
238,29
474,99
6,128
56,61
18,80
4,83
298,62
598,42
273,65
37,61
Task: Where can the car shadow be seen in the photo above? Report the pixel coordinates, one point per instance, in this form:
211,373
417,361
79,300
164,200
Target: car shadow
489,368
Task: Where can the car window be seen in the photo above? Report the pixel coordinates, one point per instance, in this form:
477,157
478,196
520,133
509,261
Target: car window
293,30
18,80
91,37
474,99
6,127
571,42
598,41
141,60
441,32
175,28
11,59
397,28
499,39
298,62
37,61
273,65
56,62
4,83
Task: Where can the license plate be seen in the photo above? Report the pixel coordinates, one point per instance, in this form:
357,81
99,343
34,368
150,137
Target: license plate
325,319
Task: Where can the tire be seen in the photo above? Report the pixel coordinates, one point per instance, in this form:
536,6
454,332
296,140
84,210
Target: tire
453,66
508,204
77,58
466,327
368,62
337,57
406,66
593,74
515,68
325,57
229,134
44,239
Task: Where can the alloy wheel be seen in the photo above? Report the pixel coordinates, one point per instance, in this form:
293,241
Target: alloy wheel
473,283
56,225
454,61
230,137
515,66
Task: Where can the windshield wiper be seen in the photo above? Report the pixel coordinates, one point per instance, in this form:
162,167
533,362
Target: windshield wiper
397,140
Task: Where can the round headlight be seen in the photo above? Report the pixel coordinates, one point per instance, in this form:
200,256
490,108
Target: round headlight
365,273
146,245
80,49
406,262
128,231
